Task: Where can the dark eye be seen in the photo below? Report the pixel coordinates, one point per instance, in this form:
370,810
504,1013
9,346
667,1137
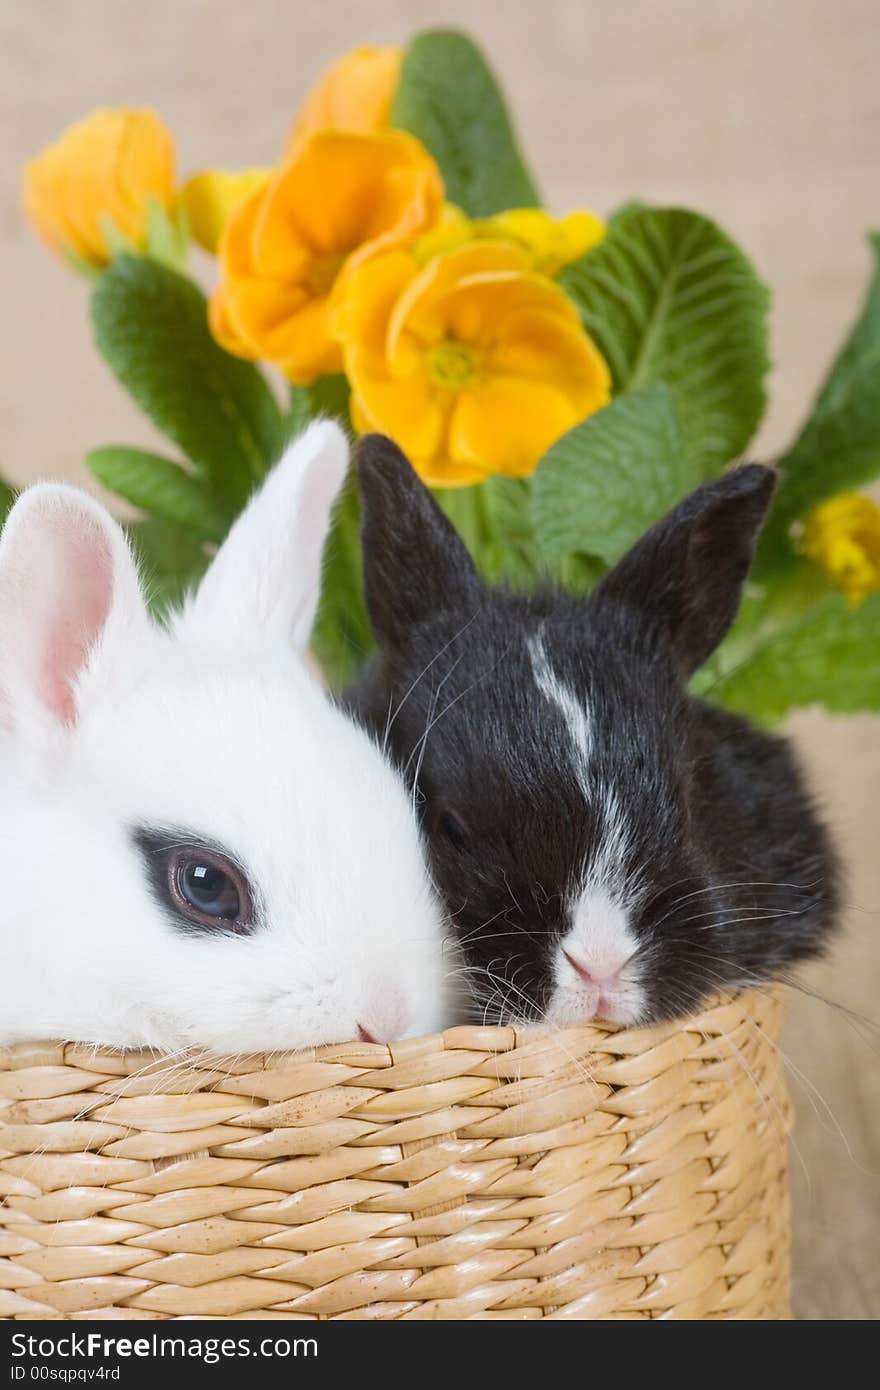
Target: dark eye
451,826
209,890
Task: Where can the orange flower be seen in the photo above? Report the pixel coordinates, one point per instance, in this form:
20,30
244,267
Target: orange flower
105,168
286,250
473,363
354,93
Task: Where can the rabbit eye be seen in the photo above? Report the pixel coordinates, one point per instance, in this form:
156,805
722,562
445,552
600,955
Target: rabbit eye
452,828
208,887
203,887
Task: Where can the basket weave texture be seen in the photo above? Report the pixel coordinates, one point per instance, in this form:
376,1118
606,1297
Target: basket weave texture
477,1173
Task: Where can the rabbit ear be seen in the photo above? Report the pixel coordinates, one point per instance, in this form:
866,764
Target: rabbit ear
68,586
415,563
264,583
685,577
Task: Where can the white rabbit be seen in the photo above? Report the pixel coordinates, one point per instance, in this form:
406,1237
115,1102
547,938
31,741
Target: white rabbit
196,847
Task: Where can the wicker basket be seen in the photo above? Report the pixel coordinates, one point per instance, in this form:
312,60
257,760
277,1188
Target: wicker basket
478,1173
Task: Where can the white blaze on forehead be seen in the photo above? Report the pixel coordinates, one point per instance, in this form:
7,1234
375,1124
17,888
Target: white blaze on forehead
600,936
575,715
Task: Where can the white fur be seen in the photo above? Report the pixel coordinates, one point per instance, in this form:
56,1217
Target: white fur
213,727
600,939
575,717
603,943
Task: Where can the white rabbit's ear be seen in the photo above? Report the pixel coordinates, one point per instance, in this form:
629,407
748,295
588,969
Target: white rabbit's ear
67,582
264,583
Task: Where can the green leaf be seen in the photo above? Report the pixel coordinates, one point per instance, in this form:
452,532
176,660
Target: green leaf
464,507
829,657
298,414
511,553
167,236
151,327
162,489
608,479
342,638
7,497
631,205
839,446
449,98
115,239
171,559
768,610
329,396
668,297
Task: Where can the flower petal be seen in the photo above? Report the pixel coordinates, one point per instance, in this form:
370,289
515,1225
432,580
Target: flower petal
354,93
107,166
506,424
210,197
408,411
539,345
342,189
550,242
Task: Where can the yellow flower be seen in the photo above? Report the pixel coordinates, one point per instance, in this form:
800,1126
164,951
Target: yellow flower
210,197
453,229
843,537
549,243
355,93
288,248
473,363
106,167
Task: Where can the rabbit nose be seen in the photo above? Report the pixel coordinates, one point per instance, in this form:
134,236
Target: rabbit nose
599,975
378,1033
384,1019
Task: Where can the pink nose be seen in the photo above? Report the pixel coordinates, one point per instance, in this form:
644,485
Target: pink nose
591,977
384,1017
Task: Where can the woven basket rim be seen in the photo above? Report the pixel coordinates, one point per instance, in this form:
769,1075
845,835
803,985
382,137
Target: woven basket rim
498,1038
586,1171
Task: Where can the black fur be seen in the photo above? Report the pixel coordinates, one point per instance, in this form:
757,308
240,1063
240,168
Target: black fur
739,876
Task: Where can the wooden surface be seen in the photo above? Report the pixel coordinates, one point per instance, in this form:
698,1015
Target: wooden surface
766,116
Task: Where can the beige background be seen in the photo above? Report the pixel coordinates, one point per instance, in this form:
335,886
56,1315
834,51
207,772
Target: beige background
763,113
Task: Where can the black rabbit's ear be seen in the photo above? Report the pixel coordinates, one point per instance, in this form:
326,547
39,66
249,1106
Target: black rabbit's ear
415,563
684,578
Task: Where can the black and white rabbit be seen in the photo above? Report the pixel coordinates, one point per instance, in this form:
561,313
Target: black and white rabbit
196,846
607,844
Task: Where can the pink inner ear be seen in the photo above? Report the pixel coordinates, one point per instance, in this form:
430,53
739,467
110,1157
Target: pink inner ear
67,604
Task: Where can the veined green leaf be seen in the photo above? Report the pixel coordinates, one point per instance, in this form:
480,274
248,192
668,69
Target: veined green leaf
151,327
839,447
511,552
171,560
668,297
830,657
608,479
449,98
162,489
